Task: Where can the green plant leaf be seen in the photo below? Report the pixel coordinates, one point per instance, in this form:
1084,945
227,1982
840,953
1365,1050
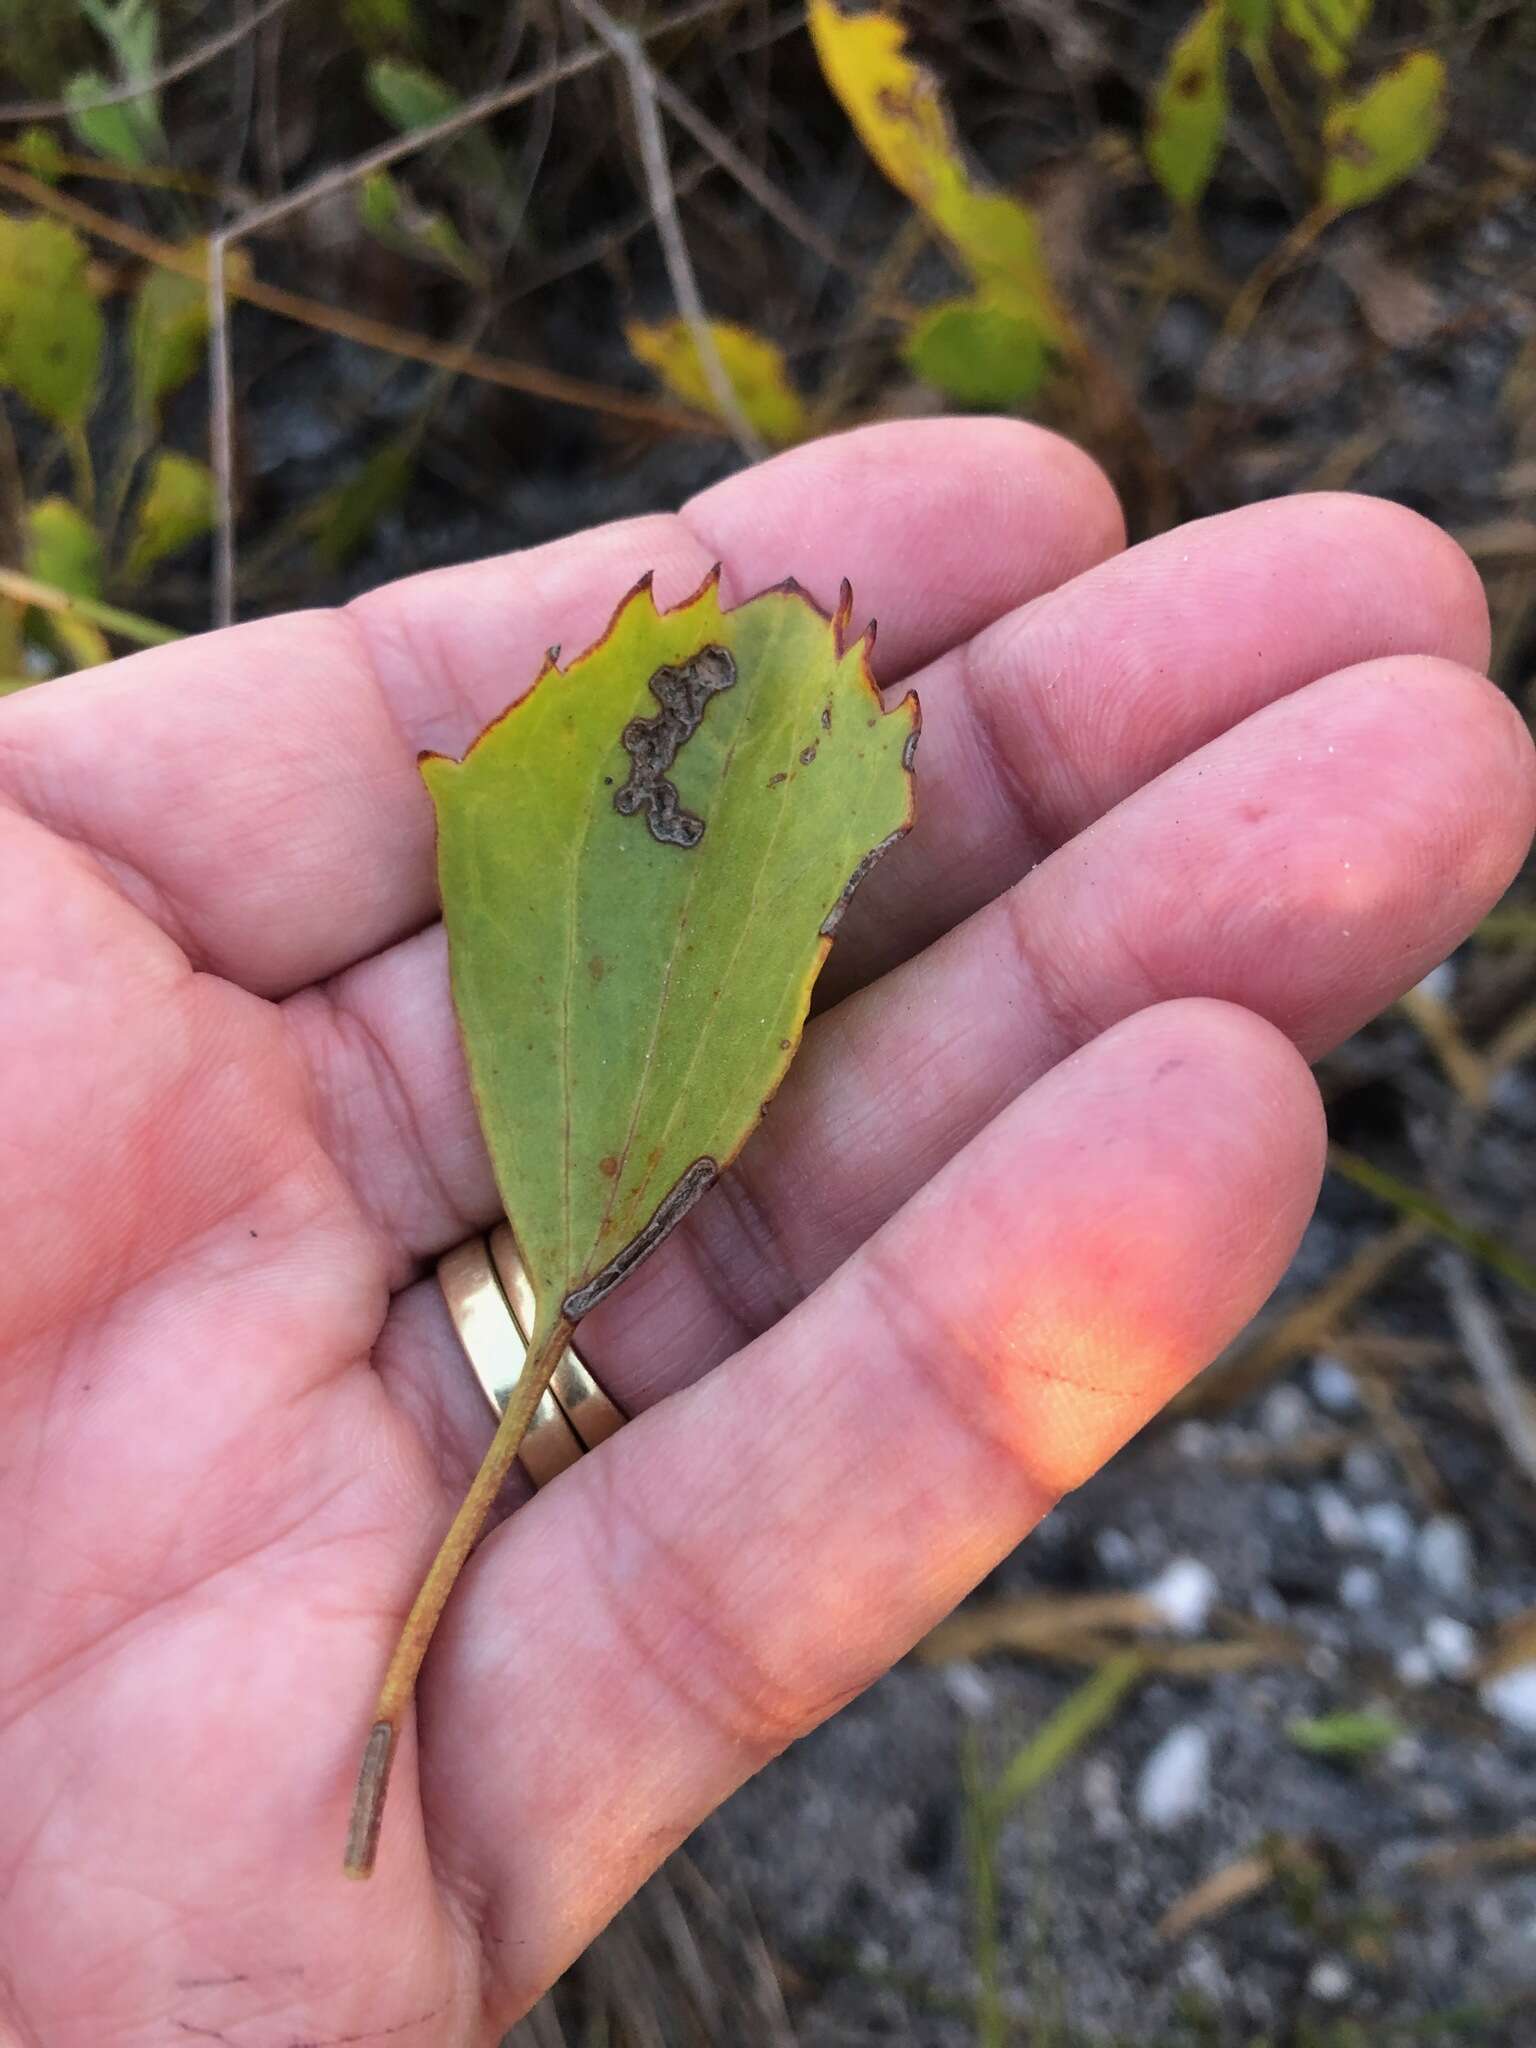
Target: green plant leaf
1189,109
392,217
177,507
1328,29
38,152
166,334
408,95
755,366
341,520
50,323
1251,22
1374,141
63,550
128,132
1350,1737
979,352
642,863
382,25
63,547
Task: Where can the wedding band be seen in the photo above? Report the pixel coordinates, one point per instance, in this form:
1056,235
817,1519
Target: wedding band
582,1401
491,1305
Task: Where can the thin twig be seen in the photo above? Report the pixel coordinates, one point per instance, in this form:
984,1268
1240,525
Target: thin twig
140,88
642,82
1489,1354
31,590
221,439
792,218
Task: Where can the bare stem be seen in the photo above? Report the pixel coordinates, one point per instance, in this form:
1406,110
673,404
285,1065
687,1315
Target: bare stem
410,1650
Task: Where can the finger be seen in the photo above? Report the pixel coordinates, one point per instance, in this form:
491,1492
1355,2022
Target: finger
256,791
1309,865
1050,717
729,1570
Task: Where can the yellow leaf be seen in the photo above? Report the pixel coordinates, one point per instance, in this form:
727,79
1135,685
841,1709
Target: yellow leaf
1189,109
50,323
754,365
177,507
1328,28
897,110
1374,141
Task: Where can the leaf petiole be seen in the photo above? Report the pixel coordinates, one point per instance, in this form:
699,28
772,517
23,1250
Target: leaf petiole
398,1689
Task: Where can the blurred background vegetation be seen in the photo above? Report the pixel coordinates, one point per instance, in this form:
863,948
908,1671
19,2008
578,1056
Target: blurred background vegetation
299,294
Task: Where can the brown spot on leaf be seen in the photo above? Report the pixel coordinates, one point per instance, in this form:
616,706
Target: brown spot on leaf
775,780
669,1213
597,967
826,716
1193,83
608,1167
807,755
653,744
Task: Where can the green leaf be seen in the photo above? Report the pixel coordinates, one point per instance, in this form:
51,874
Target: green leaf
1350,1737
408,95
979,351
165,337
755,366
177,507
642,864
1189,109
1080,1716
63,550
382,24
341,520
38,152
1251,22
50,323
127,132
393,218
1373,142
1329,30
63,547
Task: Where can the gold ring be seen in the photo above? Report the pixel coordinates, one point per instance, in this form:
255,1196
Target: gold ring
493,1335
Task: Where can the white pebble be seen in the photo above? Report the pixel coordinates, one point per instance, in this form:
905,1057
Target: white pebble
1184,1593
1195,1439
1444,1552
1285,1414
1330,1981
1334,1386
970,1689
1175,1780
1452,1646
1414,1667
1116,1553
1337,1517
1388,1528
1359,1587
1364,1469
1511,1695
1440,982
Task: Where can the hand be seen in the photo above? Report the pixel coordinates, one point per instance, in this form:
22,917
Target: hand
1187,816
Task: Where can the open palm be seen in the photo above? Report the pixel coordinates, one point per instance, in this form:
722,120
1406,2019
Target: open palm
1187,815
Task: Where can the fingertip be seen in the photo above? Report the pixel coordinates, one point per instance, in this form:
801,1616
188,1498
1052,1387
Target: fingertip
1437,579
